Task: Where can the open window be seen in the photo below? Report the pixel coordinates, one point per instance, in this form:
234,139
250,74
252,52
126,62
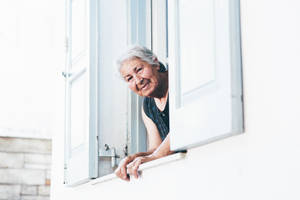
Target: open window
198,41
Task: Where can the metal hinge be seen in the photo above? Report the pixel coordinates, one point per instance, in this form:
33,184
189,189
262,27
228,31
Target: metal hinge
110,152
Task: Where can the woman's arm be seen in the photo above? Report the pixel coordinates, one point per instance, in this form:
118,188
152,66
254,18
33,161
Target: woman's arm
157,149
153,137
130,164
162,150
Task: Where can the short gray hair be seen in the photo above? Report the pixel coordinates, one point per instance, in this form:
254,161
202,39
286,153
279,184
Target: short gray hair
138,52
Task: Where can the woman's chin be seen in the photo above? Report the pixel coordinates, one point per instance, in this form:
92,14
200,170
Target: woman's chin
146,93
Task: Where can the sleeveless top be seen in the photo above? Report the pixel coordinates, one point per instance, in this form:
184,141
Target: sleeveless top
160,118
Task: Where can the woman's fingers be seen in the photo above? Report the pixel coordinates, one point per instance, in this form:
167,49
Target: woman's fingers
121,171
124,173
127,167
132,168
136,167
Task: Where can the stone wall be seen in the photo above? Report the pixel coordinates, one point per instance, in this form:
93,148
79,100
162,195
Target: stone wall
25,168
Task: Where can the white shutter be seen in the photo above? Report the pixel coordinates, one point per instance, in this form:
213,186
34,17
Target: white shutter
205,71
80,128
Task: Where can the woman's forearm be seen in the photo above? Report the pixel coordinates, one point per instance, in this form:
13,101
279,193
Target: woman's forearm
130,164
132,157
162,150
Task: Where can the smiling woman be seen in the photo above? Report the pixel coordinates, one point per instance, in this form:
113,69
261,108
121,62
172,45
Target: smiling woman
147,77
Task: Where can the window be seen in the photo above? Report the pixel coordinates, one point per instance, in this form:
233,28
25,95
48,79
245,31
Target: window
103,119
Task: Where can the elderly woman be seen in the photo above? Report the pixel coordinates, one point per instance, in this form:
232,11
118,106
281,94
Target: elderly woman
147,77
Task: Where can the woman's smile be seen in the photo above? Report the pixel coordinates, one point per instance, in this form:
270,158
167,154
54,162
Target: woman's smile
145,86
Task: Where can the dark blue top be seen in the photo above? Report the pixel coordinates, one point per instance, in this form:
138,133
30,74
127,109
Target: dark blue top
160,118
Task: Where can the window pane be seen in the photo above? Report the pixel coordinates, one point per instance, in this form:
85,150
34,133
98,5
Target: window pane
197,43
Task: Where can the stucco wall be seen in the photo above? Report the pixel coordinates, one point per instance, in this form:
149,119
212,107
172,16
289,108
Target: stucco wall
260,164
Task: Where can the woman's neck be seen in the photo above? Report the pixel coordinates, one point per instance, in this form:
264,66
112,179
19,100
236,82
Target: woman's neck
161,102
162,90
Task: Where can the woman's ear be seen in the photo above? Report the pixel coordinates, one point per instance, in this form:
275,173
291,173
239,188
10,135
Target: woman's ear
155,60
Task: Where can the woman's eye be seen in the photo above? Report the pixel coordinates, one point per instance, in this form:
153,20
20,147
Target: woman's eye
139,69
128,79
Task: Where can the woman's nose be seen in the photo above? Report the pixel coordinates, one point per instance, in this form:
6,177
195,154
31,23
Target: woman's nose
138,79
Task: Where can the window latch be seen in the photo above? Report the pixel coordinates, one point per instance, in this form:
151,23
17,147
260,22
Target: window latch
109,152
66,75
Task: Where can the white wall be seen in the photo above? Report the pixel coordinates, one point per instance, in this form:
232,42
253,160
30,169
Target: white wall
264,162
32,58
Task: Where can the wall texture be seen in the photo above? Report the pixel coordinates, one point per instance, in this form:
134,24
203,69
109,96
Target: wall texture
25,168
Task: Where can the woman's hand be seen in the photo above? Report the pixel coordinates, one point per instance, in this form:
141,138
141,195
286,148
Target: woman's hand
130,164
162,150
121,171
133,167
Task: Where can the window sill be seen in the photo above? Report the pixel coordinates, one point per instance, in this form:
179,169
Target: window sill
148,165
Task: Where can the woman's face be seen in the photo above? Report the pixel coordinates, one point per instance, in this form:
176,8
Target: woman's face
142,78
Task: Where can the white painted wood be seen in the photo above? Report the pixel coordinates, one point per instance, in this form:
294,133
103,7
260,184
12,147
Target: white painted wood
80,128
203,72
197,48
139,32
159,30
112,90
79,28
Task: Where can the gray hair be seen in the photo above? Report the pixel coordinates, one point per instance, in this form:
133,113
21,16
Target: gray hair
139,52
